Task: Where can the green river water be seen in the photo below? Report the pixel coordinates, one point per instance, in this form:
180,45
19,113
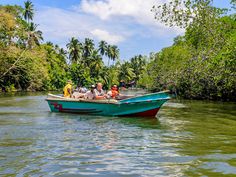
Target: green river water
188,138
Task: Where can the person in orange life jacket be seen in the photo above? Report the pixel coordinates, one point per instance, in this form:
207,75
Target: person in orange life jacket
113,93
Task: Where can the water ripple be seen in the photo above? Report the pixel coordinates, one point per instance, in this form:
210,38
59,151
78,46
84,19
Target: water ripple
183,141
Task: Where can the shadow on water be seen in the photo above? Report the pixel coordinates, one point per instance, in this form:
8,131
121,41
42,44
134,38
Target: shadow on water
142,122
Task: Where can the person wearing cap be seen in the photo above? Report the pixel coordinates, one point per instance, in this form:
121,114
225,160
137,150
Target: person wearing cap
90,95
68,89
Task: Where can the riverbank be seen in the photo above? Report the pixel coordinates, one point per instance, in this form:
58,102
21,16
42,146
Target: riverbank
133,91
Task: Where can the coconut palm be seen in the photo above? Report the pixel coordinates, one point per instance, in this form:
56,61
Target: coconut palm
102,47
49,43
95,63
138,64
34,35
108,53
126,72
88,47
104,77
28,11
112,53
115,53
62,54
75,50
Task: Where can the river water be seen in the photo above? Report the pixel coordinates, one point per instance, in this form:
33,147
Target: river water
188,138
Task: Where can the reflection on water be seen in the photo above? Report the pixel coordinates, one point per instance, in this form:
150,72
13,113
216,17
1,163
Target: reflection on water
188,138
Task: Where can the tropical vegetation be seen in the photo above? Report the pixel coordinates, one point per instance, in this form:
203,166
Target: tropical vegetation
201,64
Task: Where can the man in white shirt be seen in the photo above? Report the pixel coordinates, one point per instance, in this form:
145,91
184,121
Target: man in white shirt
90,95
99,93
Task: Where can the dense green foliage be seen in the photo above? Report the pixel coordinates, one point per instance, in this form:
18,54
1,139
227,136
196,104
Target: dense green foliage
201,64
23,62
28,64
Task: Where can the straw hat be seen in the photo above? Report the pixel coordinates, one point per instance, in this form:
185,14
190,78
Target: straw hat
69,82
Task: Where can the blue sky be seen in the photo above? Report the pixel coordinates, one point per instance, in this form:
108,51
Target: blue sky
129,24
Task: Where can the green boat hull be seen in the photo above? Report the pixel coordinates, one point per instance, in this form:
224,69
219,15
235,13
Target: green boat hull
146,105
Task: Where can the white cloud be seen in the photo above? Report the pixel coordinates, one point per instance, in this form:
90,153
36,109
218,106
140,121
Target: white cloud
121,22
108,20
105,9
138,10
59,25
106,36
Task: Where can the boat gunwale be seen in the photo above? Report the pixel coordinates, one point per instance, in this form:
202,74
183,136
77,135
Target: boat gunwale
103,101
52,97
149,94
83,101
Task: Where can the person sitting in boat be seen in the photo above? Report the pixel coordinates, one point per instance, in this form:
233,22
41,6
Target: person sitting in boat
77,95
113,93
67,91
122,85
79,92
82,89
99,93
90,95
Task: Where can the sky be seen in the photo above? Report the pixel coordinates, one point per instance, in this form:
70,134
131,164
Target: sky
129,24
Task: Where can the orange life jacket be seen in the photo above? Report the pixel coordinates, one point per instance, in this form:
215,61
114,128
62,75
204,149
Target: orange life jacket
114,93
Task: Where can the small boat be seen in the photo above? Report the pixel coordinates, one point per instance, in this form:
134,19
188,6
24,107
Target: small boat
144,105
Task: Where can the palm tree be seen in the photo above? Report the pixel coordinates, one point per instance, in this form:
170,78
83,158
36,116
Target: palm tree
95,63
102,47
112,53
109,53
28,11
49,43
34,35
105,77
115,53
126,72
62,54
138,64
88,47
75,50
